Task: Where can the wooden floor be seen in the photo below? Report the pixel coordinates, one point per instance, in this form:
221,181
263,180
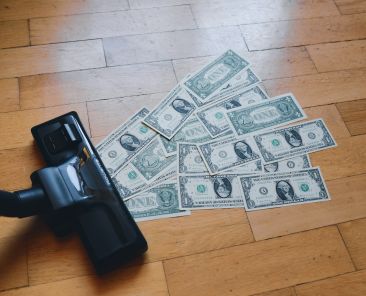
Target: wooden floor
105,59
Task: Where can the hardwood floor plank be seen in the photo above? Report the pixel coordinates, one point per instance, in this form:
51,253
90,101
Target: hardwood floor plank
100,125
347,203
51,259
338,56
351,6
351,284
13,263
14,33
354,115
9,95
15,227
304,32
96,84
282,292
332,118
321,89
284,62
201,232
24,9
20,162
16,133
136,4
354,235
147,279
171,45
238,270
101,25
225,13
49,58
349,157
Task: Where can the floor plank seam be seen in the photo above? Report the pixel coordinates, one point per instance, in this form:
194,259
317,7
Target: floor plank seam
345,245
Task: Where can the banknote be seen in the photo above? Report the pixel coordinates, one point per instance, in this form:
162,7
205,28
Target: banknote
130,181
266,115
213,116
295,140
225,153
251,168
292,164
161,201
190,162
151,161
207,192
125,141
192,131
244,80
283,189
209,80
171,113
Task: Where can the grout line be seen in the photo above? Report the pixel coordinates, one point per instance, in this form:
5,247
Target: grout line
193,16
166,278
345,245
340,113
105,57
29,33
175,74
242,35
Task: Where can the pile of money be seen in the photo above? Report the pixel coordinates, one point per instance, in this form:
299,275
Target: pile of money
217,140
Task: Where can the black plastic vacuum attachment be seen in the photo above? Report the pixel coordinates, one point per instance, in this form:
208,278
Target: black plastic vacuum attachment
75,193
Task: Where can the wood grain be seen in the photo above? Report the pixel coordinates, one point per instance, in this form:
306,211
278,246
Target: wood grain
353,233
351,284
351,6
354,116
13,263
332,119
339,55
284,63
349,155
49,58
238,270
322,89
224,13
281,292
16,133
51,259
24,9
14,33
89,85
21,162
134,281
101,25
347,203
9,95
102,126
304,32
171,45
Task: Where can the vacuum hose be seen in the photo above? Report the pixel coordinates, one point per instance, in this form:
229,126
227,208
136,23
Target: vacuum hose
23,203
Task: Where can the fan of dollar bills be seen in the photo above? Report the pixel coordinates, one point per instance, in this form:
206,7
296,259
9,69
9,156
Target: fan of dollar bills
217,141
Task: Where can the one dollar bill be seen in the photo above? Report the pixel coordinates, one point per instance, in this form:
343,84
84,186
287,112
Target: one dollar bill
207,192
283,189
161,201
171,113
208,81
125,142
192,131
287,165
190,162
266,115
229,152
213,116
295,140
